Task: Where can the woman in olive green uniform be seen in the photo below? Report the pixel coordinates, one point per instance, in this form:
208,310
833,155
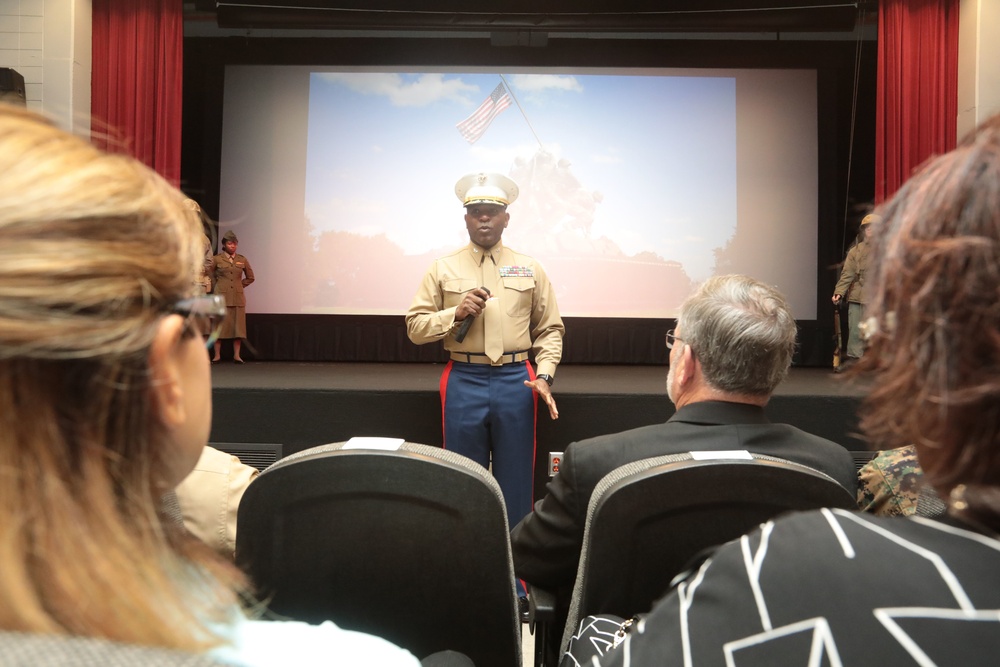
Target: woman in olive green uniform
230,273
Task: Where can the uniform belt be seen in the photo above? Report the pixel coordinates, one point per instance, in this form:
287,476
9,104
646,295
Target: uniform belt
477,358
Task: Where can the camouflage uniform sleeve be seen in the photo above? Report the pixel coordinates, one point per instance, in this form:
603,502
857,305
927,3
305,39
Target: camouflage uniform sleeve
889,484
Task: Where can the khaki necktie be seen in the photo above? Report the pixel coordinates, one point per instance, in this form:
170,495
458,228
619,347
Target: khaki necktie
493,323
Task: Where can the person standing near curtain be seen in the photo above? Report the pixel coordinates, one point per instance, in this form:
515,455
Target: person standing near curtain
205,278
231,273
852,285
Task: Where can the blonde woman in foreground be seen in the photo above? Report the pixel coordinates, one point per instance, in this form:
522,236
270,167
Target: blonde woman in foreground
105,405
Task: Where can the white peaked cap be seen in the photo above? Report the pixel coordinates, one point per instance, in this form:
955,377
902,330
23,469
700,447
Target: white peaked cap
486,189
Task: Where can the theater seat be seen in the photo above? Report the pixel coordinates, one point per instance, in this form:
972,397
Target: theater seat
648,520
408,543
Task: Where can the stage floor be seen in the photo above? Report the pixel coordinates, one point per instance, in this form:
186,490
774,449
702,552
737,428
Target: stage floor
299,405
571,379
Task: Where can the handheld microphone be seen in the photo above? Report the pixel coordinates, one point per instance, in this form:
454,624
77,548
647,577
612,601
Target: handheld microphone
467,323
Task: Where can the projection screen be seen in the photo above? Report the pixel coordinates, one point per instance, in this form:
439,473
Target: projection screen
635,184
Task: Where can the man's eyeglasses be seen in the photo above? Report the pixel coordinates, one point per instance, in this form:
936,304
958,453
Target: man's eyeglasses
671,339
202,310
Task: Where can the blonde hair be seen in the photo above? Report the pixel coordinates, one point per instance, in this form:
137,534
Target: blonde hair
94,250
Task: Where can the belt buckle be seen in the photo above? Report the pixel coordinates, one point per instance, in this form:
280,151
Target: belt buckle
498,362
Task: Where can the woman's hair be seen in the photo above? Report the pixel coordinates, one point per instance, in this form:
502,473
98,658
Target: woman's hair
83,547
935,355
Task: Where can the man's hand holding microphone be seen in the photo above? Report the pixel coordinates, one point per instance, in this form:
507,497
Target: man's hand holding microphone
472,306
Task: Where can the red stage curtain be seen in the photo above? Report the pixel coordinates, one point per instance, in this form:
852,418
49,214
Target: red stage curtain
137,80
917,103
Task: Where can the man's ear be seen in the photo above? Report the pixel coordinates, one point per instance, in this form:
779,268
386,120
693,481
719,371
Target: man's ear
685,368
166,392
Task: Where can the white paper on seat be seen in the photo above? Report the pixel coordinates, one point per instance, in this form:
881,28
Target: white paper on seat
722,454
388,444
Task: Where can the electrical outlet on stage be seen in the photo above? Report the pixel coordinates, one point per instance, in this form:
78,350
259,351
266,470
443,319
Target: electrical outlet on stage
555,458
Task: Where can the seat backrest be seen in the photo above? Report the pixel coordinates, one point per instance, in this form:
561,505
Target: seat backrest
34,650
409,544
647,520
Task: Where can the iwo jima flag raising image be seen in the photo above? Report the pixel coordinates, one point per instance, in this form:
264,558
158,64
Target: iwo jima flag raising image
605,202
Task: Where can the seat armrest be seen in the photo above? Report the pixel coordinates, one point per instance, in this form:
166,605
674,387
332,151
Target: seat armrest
541,604
541,613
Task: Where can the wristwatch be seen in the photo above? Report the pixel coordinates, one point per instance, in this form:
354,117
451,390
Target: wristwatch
545,376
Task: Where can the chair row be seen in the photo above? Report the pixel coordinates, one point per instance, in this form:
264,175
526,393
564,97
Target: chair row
411,542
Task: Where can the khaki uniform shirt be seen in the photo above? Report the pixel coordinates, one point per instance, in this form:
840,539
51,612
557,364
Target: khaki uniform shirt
527,303
852,277
210,498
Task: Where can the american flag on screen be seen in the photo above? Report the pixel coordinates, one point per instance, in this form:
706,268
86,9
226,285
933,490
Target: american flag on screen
475,125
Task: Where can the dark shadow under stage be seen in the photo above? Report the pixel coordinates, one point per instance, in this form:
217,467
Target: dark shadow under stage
299,405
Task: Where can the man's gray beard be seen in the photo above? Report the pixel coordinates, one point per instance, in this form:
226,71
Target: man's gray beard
670,384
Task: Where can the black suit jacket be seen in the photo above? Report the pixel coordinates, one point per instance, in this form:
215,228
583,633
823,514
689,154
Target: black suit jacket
546,544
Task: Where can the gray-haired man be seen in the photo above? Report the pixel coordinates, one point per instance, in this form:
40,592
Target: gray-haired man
732,347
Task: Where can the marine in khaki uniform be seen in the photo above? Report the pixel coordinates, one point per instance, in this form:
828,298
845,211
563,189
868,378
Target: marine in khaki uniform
492,308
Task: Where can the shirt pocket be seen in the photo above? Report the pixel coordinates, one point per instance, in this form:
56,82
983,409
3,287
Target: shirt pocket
517,295
455,289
